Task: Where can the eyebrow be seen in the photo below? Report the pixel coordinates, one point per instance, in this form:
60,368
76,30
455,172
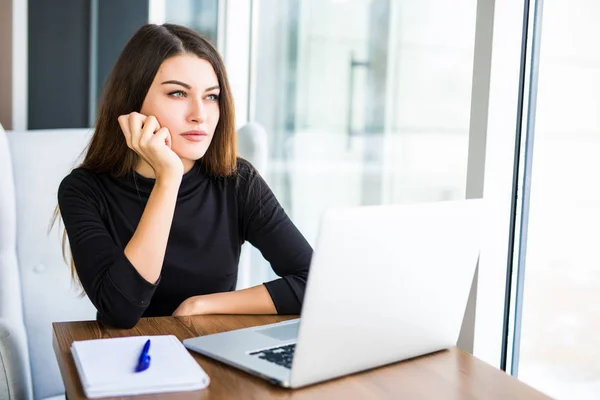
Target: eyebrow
185,85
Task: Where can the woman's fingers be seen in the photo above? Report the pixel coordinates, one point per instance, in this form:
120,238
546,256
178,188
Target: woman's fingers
124,124
149,127
152,143
136,121
162,137
138,130
131,125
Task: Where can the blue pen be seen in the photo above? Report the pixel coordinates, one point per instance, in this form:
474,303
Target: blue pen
144,361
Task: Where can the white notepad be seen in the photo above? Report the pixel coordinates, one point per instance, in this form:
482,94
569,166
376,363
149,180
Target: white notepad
107,366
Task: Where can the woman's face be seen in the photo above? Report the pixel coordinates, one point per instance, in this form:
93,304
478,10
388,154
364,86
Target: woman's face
184,97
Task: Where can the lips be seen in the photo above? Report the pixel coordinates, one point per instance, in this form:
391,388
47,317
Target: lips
195,136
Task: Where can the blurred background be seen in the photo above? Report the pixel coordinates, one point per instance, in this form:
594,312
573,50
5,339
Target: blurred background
390,101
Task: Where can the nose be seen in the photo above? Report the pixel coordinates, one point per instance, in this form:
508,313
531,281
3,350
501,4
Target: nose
197,111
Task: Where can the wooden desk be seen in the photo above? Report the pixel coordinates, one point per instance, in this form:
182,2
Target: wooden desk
451,374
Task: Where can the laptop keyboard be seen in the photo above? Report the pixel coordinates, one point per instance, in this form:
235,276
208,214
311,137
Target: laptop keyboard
281,355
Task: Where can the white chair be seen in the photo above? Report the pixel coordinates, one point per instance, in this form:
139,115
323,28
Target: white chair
253,145
35,282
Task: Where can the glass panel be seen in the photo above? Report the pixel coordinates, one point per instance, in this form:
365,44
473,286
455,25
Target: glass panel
364,101
560,344
200,15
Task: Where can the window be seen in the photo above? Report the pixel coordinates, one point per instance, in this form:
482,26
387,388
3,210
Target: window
364,102
558,348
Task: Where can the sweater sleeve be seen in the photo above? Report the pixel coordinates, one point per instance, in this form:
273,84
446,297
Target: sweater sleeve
117,290
266,225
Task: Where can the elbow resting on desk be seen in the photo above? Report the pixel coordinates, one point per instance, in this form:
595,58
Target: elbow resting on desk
116,309
117,321
118,313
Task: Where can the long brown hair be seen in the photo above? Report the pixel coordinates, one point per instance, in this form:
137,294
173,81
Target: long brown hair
126,90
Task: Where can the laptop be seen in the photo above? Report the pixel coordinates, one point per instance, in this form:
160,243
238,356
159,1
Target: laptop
387,283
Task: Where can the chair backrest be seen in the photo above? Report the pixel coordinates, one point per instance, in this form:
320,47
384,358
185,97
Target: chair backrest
40,160
253,146
15,382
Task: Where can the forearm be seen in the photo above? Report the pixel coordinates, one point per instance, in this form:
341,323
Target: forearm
147,247
254,300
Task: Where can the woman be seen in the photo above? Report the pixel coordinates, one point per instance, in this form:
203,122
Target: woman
156,213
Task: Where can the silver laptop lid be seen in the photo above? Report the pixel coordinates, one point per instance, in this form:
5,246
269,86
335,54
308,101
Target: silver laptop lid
387,283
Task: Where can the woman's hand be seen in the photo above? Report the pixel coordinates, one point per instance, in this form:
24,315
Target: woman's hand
190,306
254,300
153,143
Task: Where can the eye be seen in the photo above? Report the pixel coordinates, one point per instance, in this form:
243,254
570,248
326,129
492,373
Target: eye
213,97
178,93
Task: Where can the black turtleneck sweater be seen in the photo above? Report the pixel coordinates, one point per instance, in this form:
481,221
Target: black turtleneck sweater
213,217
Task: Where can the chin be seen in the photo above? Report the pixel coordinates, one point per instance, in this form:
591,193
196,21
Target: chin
189,154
